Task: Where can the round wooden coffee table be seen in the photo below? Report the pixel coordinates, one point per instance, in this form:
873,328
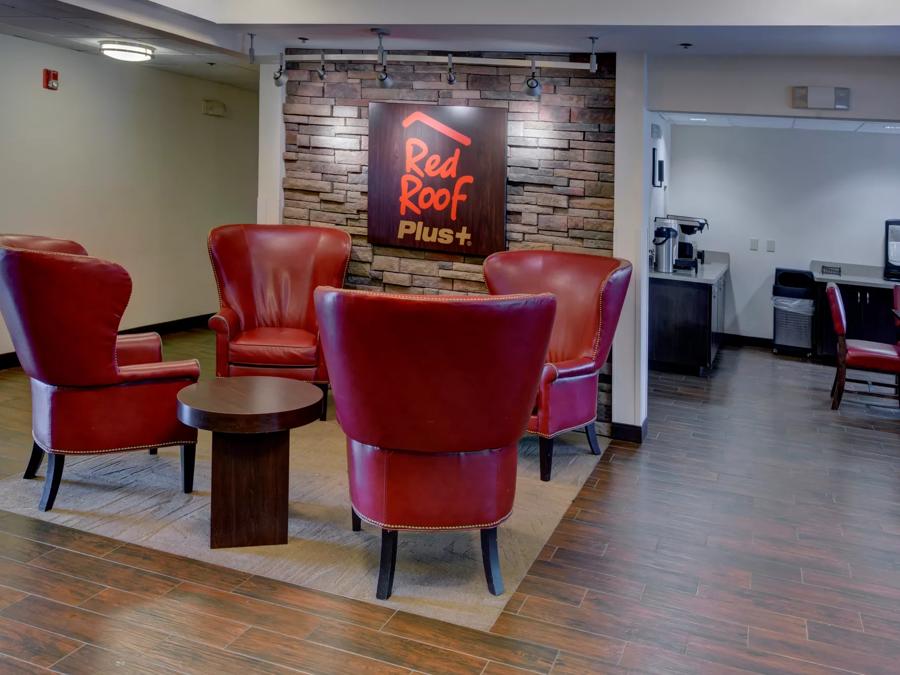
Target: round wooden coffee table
250,419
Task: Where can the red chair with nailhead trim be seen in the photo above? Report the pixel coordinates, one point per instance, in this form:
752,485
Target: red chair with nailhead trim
266,275
131,348
590,292
62,311
433,393
877,357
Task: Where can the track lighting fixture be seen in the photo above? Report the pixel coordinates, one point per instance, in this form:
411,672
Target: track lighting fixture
384,78
280,76
593,55
321,70
532,84
451,76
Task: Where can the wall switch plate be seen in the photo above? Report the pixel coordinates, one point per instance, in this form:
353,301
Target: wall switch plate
770,245
754,244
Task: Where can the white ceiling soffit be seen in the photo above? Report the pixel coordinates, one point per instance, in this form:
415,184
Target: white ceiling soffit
762,122
543,13
64,25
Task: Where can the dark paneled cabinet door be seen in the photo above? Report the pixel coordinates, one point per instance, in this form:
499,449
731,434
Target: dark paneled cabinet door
680,324
869,317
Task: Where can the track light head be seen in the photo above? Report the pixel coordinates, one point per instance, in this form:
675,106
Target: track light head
280,76
320,71
593,55
532,84
384,79
451,75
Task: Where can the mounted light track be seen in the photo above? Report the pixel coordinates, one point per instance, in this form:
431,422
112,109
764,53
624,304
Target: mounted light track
344,57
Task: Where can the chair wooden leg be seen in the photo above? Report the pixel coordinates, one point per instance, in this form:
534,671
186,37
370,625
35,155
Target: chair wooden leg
834,384
897,384
388,563
490,556
546,452
55,464
355,520
188,457
152,451
841,379
591,432
324,387
34,462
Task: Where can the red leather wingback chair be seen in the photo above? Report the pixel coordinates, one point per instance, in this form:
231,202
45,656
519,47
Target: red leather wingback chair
62,311
590,291
131,348
433,393
878,357
266,275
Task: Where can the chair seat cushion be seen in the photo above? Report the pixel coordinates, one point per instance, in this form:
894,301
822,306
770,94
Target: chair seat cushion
274,347
873,356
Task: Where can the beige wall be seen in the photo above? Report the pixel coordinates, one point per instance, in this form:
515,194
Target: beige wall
760,85
122,160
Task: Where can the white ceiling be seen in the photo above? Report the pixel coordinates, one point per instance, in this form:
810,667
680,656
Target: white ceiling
759,121
65,25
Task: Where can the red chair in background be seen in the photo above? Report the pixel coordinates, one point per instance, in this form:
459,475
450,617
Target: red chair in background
62,311
266,275
590,292
876,357
433,393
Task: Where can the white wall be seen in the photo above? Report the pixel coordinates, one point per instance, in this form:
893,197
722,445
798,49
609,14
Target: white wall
659,201
122,160
821,195
760,85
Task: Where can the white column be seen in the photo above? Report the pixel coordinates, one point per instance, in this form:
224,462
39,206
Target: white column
270,196
630,241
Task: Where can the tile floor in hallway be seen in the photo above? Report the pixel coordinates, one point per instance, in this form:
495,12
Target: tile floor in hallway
755,530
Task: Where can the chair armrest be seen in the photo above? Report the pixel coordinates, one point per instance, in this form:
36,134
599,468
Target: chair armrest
165,370
571,368
138,348
226,322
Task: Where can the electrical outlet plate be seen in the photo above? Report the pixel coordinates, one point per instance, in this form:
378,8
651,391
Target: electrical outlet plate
770,245
754,244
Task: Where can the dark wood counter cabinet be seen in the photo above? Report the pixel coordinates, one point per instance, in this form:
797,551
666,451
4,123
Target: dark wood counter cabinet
869,312
687,319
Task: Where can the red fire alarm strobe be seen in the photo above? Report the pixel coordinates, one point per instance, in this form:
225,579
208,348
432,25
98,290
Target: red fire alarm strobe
51,79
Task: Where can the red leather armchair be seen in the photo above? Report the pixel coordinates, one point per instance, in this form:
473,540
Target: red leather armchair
62,311
590,291
878,357
433,393
266,275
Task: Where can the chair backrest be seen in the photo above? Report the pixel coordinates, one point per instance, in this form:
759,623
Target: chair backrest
836,305
434,373
31,242
63,312
590,292
267,273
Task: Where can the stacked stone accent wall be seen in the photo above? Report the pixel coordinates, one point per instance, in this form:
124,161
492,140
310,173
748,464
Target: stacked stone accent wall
560,162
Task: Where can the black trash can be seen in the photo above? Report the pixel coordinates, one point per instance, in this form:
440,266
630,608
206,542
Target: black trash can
794,302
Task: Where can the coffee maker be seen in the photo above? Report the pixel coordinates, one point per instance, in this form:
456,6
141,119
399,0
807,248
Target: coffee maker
689,255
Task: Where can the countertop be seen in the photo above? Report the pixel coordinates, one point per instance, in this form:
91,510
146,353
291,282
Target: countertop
709,274
853,275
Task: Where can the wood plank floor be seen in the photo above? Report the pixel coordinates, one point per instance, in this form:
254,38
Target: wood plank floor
754,531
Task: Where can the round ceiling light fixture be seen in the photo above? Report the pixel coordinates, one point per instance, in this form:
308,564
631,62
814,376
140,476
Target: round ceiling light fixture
127,51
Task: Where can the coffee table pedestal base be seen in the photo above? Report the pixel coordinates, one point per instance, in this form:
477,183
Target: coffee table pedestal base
249,489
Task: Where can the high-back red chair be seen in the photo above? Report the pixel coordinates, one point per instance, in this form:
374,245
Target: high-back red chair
590,292
62,311
877,357
433,393
266,275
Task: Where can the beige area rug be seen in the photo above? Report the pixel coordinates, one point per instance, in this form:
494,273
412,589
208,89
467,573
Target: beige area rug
135,497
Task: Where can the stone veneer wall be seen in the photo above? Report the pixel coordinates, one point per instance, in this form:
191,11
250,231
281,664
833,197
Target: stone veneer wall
560,163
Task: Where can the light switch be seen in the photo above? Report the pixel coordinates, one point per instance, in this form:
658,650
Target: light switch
770,245
754,244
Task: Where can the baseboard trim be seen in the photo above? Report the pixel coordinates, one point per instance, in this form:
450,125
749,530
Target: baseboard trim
746,341
10,360
632,433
